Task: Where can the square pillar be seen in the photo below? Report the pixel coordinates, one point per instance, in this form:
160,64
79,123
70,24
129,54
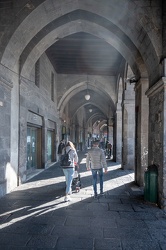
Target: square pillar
128,128
141,119
157,135
119,134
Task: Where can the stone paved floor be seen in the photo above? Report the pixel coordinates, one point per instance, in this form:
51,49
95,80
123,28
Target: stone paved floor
35,216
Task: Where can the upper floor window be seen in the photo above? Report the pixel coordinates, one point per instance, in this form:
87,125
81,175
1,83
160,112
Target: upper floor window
52,86
37,73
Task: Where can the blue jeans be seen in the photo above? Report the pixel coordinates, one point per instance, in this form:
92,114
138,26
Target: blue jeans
68,172
94,175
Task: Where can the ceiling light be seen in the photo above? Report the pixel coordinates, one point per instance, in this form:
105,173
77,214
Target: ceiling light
87,96
90,110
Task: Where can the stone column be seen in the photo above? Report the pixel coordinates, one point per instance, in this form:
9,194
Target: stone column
8,172
44,146
111,136
110,131
142,114
72,132
128,127
119,133
157,135
119,124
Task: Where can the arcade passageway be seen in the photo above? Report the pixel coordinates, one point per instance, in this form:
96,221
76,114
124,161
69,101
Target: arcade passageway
35,216
82,70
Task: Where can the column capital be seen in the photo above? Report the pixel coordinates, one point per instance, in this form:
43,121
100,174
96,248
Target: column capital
119,107
143,80
128,102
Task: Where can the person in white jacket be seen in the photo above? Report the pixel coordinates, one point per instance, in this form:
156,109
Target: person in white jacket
69,170
96,161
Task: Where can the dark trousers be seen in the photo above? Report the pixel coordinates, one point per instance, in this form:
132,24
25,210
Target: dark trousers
94,175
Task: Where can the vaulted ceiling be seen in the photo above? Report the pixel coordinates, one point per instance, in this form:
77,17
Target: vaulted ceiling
82,53
83,37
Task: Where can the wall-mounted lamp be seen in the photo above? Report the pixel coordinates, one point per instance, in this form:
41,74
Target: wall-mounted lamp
131,80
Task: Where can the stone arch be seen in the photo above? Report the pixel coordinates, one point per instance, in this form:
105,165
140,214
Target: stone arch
91,103
87,27
102,124
49,10
94,117
76,88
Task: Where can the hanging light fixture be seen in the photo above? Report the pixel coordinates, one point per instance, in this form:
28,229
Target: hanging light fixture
90,110
87,96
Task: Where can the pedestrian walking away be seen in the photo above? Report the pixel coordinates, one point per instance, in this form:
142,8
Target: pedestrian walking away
76,183
69,170
96,161
108,150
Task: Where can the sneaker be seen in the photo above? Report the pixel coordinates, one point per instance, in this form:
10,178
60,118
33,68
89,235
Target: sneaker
102,193
95,196
67,198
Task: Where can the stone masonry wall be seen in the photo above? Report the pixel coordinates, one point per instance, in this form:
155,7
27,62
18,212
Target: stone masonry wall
141,149
5,110
156,137
38,101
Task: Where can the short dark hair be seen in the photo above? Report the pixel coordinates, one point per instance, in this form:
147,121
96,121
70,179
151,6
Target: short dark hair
95,142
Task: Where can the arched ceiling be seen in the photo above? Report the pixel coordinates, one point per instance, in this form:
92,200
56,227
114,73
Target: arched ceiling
83,53
82,37
125,21
30,57
76,95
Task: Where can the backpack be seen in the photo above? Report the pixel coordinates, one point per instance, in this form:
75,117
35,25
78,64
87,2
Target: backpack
65,159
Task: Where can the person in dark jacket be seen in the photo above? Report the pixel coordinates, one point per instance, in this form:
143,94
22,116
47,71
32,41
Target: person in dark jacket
60,148
108,149
96,158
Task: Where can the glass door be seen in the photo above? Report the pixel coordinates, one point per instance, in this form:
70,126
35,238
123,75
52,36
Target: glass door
50,146
33,147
